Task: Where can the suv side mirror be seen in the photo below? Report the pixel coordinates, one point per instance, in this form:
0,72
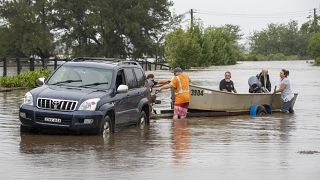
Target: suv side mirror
122,89
40,81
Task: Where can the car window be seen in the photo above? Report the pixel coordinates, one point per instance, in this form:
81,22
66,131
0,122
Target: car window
140,77
120,78
131,79
96,78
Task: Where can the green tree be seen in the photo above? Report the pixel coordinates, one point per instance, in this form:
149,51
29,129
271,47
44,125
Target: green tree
279,38
196,32
182,49
220,45
25,30
112,28
314,47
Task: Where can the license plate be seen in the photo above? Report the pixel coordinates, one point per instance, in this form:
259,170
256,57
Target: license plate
55,120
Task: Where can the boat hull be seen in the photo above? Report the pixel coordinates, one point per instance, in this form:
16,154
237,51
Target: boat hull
214,100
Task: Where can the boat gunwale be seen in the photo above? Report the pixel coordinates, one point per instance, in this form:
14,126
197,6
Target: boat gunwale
231,93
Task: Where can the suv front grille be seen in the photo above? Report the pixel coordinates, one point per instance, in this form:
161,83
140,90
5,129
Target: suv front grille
56,104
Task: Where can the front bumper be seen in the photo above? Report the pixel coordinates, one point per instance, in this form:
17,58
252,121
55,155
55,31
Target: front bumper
34,117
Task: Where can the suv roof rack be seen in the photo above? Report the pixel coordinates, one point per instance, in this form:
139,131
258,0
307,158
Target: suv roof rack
111,60
129,62
95,59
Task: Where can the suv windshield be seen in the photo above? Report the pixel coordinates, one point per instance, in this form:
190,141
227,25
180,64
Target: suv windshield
86,77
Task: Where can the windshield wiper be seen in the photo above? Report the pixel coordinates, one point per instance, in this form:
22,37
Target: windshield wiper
66,81
94,84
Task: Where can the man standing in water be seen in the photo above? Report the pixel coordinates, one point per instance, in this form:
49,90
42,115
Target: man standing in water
180,83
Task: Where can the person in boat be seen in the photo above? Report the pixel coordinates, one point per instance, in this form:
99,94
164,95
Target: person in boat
254,85
180,82
287,96
226,84
264,79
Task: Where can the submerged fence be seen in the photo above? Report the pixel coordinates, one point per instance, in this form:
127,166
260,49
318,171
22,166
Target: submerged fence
31,64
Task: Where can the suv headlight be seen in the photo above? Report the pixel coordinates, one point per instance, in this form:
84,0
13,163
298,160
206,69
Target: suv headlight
28,99
89,105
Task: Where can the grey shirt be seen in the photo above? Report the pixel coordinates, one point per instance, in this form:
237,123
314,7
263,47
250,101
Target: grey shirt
287,93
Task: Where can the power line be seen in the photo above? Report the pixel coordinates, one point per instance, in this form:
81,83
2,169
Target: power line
292,14
246,14
251,16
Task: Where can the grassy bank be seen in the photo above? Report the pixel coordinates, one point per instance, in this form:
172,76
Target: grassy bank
25,79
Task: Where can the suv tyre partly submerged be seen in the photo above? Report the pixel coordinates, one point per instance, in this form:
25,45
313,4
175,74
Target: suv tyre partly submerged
143,120
106,127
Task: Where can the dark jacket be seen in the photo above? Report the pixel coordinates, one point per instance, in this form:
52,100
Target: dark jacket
226,85
261,79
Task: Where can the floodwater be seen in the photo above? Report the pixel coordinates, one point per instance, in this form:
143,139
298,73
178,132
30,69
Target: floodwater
238,147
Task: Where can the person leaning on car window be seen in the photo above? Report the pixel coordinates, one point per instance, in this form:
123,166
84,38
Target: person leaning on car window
153,83
226,84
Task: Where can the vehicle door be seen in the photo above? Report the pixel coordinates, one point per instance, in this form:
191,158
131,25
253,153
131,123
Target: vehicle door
141,80
122,110
133,94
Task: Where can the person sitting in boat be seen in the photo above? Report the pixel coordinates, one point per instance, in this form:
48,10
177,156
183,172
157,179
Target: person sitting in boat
226,84
180,82
254,85
264,79
287,96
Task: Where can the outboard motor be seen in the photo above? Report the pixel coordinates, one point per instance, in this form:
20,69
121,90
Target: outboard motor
254,85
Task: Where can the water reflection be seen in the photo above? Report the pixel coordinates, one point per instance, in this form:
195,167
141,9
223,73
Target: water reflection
47,144
235,129
180,140
125,149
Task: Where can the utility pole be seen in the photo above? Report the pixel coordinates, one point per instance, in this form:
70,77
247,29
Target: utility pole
314,25
315,18
191,14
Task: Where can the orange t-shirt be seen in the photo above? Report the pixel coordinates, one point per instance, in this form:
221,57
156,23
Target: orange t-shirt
181,95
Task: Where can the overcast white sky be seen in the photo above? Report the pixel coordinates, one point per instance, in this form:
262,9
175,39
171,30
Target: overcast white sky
250,15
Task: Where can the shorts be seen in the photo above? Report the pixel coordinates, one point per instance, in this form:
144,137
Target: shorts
181,109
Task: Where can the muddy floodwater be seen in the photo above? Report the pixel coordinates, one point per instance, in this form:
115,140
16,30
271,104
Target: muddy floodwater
276,146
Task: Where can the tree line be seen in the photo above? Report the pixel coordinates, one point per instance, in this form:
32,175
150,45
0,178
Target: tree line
283,41
110,28
139,29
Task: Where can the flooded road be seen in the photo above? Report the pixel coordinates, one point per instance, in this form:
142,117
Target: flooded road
238,147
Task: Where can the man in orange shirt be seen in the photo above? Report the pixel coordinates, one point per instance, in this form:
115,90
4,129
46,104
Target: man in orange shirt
180,82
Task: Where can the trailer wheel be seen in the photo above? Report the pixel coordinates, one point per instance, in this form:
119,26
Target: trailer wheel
261,111
257,110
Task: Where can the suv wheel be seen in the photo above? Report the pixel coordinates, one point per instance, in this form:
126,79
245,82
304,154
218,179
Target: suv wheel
106,126
142,121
